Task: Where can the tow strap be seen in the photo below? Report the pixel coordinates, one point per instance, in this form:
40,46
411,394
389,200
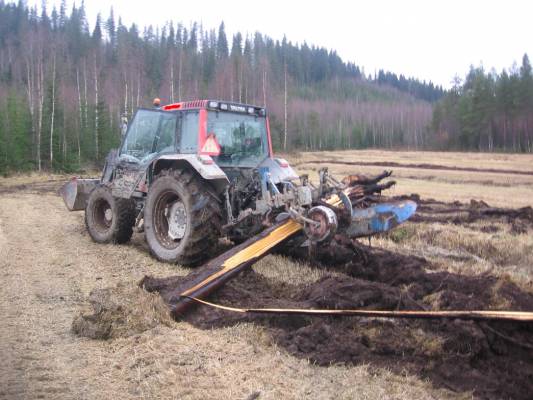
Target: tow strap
515,316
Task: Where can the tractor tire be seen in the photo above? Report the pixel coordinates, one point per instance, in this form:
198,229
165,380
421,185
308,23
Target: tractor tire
182,218
109,219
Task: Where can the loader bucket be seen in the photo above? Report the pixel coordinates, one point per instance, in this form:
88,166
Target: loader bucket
76,192
379,218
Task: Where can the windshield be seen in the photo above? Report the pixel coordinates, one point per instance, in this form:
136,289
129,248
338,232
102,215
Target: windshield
242,138
151,132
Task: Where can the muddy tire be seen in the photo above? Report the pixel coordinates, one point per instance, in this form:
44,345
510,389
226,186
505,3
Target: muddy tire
109,219
182,218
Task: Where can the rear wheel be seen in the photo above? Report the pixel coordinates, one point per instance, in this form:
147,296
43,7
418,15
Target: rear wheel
109,219
181,218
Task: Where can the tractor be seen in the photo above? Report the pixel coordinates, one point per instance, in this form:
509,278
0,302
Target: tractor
190,173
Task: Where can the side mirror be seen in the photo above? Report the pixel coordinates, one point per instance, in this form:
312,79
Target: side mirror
124,127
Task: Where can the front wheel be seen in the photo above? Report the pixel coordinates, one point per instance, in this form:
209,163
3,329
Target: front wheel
109,219
181,218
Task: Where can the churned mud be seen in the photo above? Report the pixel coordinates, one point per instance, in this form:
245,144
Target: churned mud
492,359
393,164
429,210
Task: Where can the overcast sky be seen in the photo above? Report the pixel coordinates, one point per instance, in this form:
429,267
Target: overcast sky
431,40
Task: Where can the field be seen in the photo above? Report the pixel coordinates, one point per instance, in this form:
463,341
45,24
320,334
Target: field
53,273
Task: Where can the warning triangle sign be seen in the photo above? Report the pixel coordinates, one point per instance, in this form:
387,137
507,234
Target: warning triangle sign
211,146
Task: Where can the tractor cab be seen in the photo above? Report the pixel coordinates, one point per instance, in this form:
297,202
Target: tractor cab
233,135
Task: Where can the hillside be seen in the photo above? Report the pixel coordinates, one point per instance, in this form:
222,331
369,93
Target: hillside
65,83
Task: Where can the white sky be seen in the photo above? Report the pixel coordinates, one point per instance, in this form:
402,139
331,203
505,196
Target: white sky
431,40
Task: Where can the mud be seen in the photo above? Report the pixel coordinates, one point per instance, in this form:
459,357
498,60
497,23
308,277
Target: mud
429,210
493,360
392,164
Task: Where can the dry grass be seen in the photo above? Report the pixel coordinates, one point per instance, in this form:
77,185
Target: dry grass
519,162
497,189
50,267
467,250
121,311
283,269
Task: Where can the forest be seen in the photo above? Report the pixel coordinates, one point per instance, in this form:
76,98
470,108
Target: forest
487,112
66,83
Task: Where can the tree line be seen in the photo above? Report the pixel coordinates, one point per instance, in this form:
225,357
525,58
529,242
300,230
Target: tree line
487,112
65,84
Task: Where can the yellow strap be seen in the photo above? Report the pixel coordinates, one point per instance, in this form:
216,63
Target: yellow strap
518,316
258,248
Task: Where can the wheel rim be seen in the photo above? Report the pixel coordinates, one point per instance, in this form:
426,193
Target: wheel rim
169,219
102,215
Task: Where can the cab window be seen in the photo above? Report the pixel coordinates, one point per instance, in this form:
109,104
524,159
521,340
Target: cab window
151,132
242,138
189,132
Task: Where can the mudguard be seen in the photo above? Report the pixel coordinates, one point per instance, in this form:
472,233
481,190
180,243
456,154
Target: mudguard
202,164
279,170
